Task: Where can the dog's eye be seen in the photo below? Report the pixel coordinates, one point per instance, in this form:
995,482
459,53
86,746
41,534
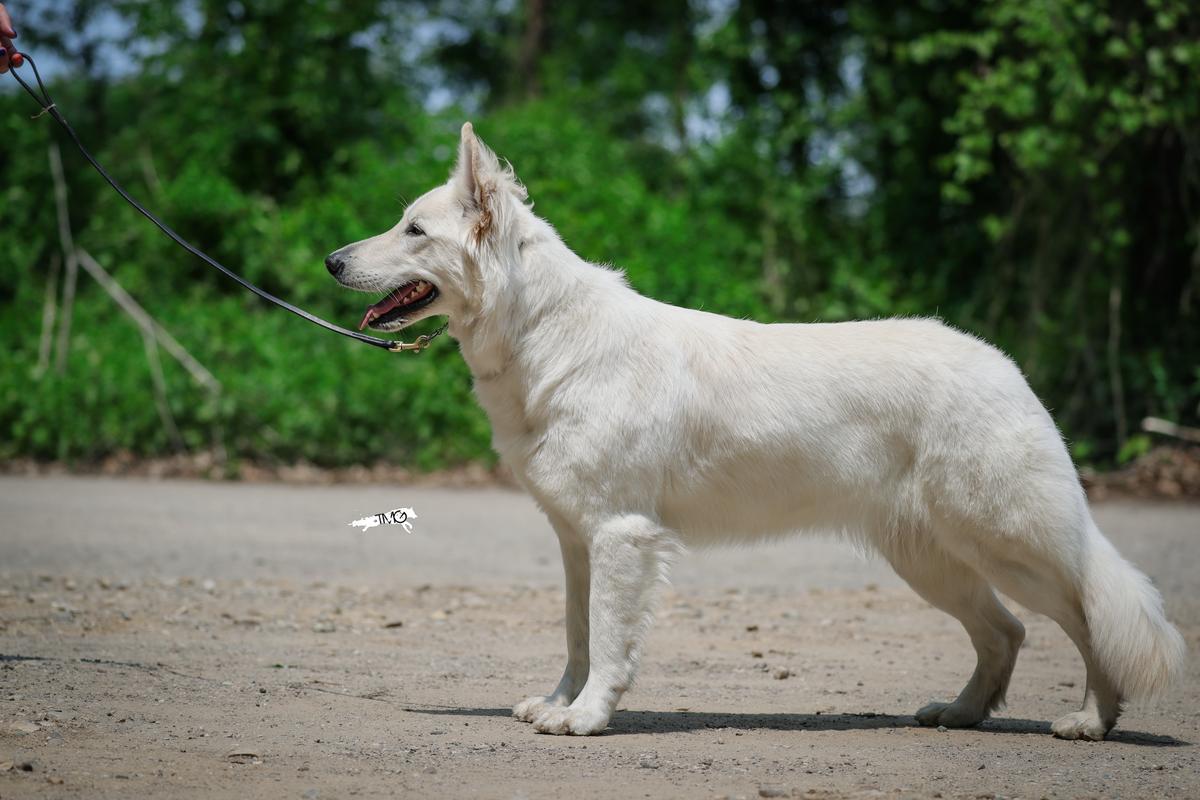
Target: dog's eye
414,230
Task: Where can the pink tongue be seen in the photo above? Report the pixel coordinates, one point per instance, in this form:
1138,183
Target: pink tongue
383,306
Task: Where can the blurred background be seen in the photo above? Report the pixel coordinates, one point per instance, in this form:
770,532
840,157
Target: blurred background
1029,172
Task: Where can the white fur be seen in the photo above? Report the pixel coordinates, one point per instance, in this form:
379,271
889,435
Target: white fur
640,427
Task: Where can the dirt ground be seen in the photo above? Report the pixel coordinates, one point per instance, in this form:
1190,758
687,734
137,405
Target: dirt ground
189,639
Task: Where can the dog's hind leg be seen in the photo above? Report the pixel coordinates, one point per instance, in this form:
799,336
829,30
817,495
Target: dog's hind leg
954,587
1063,567
629,558
1042,582
576,566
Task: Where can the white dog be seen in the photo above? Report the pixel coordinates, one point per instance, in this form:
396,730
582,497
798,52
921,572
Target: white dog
640,427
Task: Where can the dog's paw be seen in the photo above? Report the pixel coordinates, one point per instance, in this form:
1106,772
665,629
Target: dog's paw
951,715
1080,725
579,721
531,708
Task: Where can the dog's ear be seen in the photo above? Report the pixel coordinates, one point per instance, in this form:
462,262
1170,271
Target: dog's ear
475,162
482,182
476,173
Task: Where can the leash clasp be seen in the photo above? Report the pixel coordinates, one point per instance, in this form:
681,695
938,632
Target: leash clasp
416,346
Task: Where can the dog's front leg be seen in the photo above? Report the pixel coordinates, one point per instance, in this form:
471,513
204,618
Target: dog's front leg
576,566
629,557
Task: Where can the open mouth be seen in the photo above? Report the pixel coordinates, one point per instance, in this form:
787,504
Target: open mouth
410,297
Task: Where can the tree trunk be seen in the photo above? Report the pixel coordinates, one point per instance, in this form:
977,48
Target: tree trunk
530,54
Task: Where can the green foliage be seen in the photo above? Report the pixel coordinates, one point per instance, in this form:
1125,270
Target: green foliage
1070,167
1029,172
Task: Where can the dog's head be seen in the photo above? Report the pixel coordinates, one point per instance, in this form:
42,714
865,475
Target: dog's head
435,261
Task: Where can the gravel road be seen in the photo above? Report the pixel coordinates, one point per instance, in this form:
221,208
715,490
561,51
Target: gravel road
189,639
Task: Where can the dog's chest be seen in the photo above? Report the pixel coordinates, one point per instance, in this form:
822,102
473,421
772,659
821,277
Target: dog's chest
517,428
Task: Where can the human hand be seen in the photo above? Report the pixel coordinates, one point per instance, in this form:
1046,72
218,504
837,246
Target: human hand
9,56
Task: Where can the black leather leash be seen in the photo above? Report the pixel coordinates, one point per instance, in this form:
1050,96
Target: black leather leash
43,99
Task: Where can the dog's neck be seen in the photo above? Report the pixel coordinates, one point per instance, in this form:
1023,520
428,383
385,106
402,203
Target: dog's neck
545,280
514,346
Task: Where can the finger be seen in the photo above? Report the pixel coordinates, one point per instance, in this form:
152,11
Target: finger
6,27
7,53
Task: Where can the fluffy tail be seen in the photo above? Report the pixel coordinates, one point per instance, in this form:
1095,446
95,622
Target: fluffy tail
1137,647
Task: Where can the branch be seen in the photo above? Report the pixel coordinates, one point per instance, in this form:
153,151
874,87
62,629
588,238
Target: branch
49,312
1168,428
148,323
160,391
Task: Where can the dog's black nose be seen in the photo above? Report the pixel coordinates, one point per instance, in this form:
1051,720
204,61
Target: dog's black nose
334,264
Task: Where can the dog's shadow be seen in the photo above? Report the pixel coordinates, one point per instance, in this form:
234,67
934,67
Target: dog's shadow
638,722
